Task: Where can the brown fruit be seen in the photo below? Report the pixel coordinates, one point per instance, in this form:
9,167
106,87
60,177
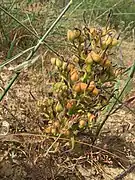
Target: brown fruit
58,62
48,130
89,59
59,107
77,87
57,124
66,132
96,57
82,123
91,87
114,42
75,76
75,59
107,63
91,117
70,35
95,91
53,61
70,104
77,33
70,67
83,86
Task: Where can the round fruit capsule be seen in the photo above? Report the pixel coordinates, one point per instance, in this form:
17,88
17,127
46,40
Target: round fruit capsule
56,124
83,86
70,35
53,131
59,107
82,123
89,59
53,61
58,63
77,87
70,104
75,76
114,42
48,130
108,40
96,57
95,91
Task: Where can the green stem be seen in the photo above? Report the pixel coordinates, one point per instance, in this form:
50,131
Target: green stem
9,85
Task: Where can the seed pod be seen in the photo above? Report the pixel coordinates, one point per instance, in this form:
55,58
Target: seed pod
104,31
53,131
75,76
59,107
85,77
96,57
53,61
92,31
77,87
91,116
71,103
108,41
70,67
91,87
83,55
88,68
57,124
66,132
75,59
70,35
95,91
114,42
82,123
64,65
58,63
77,33
89,59
83,86
48,130
107,63
81,39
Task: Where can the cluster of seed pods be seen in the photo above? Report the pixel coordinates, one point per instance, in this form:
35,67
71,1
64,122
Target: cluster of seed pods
82,80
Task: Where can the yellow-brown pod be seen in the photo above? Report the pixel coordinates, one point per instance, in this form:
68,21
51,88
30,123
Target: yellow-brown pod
83,86
82,123
83,55
95,56
59,107
77,33
70,67
53,61
89,59
77,87
114,42
71,103
48,130
95,91
70,35
74,76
